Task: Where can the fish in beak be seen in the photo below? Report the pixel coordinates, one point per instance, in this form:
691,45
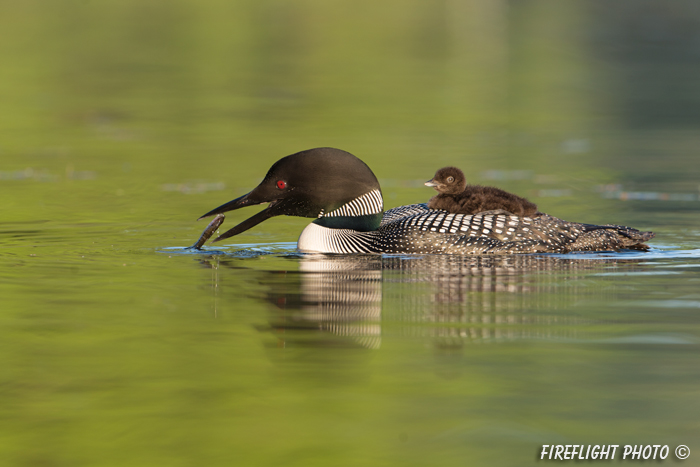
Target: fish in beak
276,208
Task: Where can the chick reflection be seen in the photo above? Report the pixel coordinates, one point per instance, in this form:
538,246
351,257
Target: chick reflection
484,299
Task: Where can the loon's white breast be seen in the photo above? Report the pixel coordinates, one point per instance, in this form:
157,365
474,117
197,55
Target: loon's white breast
319,239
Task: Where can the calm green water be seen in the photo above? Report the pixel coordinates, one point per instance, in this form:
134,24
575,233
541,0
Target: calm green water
121,122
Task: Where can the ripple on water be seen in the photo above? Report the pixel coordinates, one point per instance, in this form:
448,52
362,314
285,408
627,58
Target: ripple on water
665,252
242,250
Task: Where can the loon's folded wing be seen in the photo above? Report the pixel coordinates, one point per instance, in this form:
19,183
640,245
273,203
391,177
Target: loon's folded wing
417,229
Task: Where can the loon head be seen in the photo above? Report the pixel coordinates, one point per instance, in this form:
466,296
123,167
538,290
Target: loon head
448,180
331,185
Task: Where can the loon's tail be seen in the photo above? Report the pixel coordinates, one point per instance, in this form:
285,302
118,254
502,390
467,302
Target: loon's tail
610,237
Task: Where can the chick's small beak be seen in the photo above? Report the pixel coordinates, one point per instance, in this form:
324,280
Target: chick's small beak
433,184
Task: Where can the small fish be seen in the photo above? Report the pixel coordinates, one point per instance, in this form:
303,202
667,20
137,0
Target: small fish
208,232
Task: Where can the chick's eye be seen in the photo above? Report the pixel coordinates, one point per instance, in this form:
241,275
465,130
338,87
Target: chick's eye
449,179
281,184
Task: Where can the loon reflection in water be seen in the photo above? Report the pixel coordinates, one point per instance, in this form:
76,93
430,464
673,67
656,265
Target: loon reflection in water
354,300
344,196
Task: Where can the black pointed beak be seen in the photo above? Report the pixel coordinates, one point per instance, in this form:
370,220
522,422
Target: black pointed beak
245,200
430,183
231,205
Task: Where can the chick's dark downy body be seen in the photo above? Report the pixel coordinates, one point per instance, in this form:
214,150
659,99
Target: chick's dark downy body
457,197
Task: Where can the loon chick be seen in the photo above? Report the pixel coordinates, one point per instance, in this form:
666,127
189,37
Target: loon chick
343,195
457,197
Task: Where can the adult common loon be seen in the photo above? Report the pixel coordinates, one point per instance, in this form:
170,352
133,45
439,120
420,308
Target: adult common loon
344,196
457,197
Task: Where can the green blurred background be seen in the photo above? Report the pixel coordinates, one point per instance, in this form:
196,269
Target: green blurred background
121,122
125,100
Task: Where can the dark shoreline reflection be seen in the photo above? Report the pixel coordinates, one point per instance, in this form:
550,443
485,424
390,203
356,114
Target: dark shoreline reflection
341,301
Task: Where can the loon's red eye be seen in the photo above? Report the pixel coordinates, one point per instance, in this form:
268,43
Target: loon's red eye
281,184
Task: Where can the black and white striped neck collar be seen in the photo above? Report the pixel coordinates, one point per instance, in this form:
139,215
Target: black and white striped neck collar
363,213
369,203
